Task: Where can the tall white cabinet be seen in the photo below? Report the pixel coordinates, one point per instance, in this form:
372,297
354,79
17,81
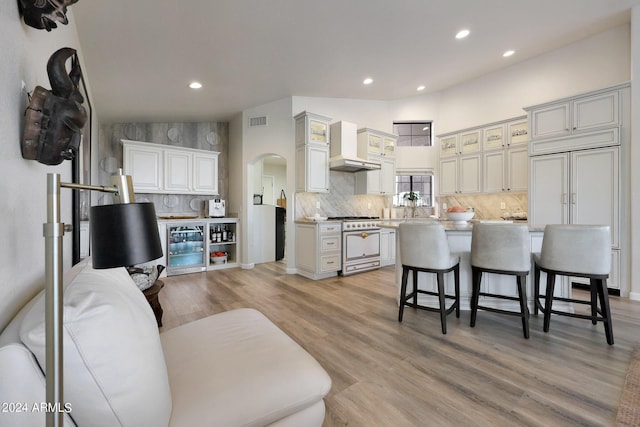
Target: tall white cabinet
312,152
577,166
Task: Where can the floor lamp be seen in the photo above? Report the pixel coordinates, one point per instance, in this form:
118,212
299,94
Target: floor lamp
122,234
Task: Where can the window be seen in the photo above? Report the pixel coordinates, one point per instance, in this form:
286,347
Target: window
422,185
413,134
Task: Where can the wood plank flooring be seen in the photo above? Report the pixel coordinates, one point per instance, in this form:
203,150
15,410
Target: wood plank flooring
387,373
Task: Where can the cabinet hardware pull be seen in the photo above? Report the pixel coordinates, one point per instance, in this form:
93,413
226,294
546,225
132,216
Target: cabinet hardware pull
364,235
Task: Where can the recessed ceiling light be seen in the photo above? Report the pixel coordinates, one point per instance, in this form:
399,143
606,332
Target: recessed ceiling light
367,81
421,87
508,53
195,85
462,34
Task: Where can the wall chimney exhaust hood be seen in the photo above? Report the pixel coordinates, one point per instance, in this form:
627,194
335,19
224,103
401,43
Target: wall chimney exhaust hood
344,149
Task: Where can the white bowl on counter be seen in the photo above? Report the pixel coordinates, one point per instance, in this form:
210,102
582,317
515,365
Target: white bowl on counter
460,218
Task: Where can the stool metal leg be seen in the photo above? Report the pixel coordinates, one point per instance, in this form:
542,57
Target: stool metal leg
443,309
415,288
594,300
536,288
606,312
548,300
475,294
403,291
524,310
456,276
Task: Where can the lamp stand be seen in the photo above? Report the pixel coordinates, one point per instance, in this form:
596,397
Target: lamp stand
53,231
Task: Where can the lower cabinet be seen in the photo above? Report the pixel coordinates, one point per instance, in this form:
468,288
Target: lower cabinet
387,247
318,249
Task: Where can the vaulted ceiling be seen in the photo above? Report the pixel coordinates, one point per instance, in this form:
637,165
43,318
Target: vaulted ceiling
141,55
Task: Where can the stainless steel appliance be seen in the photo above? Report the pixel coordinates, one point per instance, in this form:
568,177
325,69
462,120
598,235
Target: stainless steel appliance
185,248
216,208
360,244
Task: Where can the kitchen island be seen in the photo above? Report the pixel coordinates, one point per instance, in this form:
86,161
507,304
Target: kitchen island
459,238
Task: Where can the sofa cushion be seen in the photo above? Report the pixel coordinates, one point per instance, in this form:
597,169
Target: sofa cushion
238,369
114,370
22,388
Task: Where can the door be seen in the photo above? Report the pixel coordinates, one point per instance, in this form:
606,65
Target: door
470,174
449,176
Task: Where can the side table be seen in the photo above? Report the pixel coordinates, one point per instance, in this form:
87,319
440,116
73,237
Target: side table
151,294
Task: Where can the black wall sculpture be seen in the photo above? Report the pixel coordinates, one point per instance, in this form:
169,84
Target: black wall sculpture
55,118
43,14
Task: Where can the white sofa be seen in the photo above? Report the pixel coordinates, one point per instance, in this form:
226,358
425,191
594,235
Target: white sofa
231,369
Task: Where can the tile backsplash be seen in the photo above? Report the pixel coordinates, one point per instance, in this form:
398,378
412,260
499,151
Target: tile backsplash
488,206
341,200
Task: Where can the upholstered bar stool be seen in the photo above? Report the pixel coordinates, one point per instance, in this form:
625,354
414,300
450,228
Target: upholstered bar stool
500,249
424,248
579,251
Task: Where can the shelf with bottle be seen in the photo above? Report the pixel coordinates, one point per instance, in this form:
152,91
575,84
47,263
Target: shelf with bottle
222,244
222,234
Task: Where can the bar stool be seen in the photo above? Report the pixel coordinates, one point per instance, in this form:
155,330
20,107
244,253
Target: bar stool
579,251
501,249
424,247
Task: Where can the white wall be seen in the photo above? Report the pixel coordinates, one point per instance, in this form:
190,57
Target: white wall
595,62
275,138
25,52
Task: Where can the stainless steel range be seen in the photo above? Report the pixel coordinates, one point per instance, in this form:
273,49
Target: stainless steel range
360,244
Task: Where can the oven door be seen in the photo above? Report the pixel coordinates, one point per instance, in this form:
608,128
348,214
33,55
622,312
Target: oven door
361,251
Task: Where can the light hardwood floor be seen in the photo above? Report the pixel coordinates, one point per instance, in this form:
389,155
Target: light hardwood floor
387,373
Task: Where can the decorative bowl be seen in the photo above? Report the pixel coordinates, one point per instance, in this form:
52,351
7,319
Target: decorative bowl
460,218
219,259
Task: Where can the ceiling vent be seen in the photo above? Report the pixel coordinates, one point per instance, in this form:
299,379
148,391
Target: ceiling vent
258,121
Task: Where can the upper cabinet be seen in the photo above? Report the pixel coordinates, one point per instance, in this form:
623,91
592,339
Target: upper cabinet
378,147
490,158
156,168
581,114
312,152
375,143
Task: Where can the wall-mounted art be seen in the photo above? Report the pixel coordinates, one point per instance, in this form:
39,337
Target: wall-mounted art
43,14
55,118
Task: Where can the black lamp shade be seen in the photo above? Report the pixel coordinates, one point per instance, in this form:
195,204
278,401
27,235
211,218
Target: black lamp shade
124,235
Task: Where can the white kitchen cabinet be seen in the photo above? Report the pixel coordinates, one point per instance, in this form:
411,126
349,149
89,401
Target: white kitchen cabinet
375,143
462,143
205,172
377,182
312,152
461,175
156,168
318,249
312,168
506,170
494,137
387,247
378,147
190,172
517,132
581,187
144,162
177,176
579,114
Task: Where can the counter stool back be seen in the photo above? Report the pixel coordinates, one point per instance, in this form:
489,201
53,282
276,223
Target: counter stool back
580,251
500,249
424,248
